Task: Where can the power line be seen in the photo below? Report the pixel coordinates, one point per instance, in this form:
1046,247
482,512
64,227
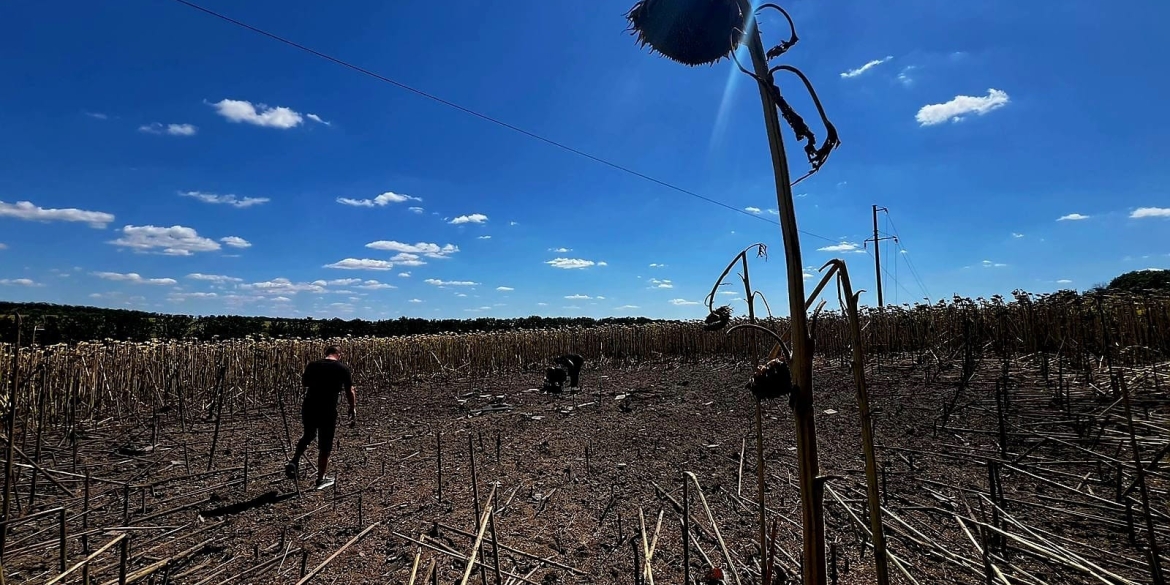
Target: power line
906,254
486,117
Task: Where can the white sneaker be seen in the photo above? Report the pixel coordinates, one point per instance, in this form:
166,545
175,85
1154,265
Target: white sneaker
324,482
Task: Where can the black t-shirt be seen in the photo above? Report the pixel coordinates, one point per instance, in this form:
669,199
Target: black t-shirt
325,380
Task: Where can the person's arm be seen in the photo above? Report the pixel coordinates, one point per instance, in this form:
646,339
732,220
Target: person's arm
350,395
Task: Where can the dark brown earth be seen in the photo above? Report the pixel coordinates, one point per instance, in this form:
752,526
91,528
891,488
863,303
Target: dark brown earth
573,472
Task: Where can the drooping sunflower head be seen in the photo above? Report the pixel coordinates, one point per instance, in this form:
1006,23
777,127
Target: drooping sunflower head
691,32
718,319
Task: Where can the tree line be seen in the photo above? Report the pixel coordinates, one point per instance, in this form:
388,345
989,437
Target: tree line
48,324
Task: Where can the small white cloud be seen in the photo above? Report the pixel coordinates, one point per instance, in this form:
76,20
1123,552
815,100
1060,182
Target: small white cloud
180,297
437,282
417,210
571,263
18,282
963,105
175,240
1072,217
27,211
1064,281
317,119
134,278
170,129
904,76
361,264
513,223
728,292
473,218
843,247
1015,235
990,264
415,300
807,275
3,246
375,285
380,201
505,288
225,199
1145,212
97,115
860,70
214,278
284,286
560,250
656,265
626,307
238,111
421,248
755,210
236,242
484,237
578,297
655,283
682,302
603,263
404,275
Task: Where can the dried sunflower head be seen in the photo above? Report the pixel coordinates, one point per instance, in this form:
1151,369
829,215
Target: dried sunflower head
771,380
718,318
691,32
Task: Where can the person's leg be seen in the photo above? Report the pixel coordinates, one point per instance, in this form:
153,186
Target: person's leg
307,437
325,446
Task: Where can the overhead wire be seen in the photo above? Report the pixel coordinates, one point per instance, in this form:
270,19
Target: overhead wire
486,117
905,255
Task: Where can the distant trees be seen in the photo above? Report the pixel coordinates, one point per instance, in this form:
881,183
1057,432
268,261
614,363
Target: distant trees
70,324
1150,279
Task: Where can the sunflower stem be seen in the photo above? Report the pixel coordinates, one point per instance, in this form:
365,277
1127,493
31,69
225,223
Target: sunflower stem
812,507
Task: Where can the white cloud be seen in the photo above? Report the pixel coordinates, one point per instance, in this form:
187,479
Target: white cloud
513,223
418,210
426,249
1072,217
258,115
407,259
415,300
728,292
215,278
27,211
656,265
437,282
843,247
173,241
855,72
171,129
682,302
1144,212
572,263
283,286
578,297
225,199
473,218
380,201
990,264
655,283
134,278
180,297
505,288
281,300
362,264
1016,235
484,237
755,210
807,275
3,246
1064,281
625,307
317,119
375,285
904,76
97,115
18,282
560,250
404,274
236,242
960,106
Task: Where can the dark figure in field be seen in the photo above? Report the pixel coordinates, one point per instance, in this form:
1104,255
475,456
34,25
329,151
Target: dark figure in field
572,364
554,379
323,380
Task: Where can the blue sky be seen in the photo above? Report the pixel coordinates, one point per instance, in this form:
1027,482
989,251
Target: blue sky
154,157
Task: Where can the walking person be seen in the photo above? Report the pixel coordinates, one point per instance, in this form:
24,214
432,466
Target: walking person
323,380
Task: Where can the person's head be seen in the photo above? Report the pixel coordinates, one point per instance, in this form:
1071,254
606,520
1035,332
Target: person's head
333,352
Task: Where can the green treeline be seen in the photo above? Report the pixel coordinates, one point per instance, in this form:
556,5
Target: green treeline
70,324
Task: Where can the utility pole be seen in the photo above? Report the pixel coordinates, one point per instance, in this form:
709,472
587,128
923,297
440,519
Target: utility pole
877,253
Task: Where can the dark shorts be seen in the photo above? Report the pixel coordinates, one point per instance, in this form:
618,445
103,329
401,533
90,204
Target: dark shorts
320,422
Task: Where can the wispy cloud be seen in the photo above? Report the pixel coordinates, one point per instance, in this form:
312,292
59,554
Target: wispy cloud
415,301
1072,217
169,129
755,210
505,288
904,76
424,248
626,307
990,264
241,111
578,297
134,278
437,282
18,282
473,218
214,278
843,247
560,250
682,302
404,275
380,201
175,240
655,283
572,263
236,242
317,119
1017,235
27,211
97,115
229,199
861,70
1146,212
417,210
960,106
1064,281
484,238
